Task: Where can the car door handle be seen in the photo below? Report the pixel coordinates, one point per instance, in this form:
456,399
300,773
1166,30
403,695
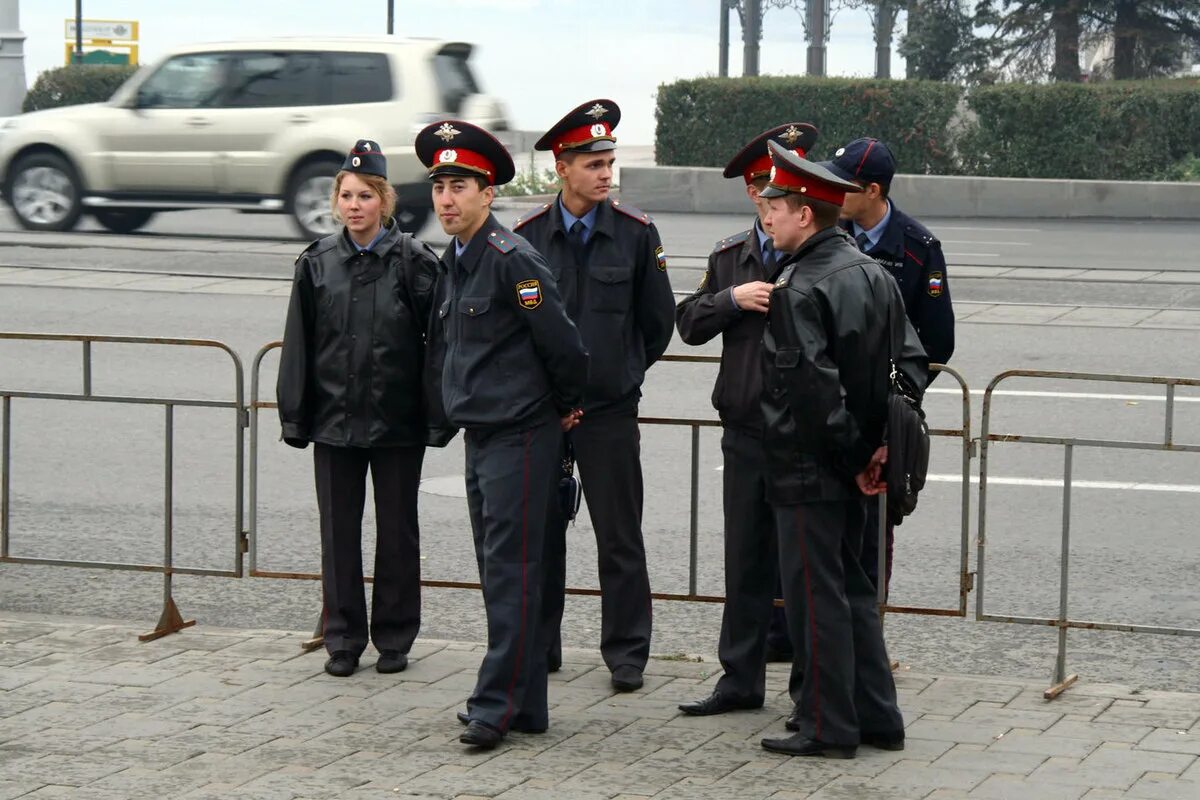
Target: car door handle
300,119
199,122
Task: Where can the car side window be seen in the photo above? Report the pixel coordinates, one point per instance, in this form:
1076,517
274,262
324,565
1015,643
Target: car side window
361,78
196,80
272,80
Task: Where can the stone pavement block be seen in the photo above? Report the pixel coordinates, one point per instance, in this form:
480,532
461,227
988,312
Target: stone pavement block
677,690
1154,717
1009,787
1172,740
48,690
282,752
64,715
1158,786
136,726
996,716
140,782
73,793
211,767
298,781
976,757
417,695
968,732
286,723
67,741
917,775
913,704
1067,703
54,769
1098,732
527,792
1104,317
216,739
948,794
211,711
126,650
633,707
1121,756
679,668
980,689
1020,314
849,788
1021,740
148,753
10,789
125,673
1109,767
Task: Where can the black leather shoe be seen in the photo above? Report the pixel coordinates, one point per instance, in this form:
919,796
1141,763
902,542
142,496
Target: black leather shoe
554,662
627,678
717,703
391,661
800,745
342,664
884,741
479,734
777,656
517,725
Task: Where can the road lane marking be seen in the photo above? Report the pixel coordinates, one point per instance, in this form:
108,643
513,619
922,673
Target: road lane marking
987,244
1152,398
950,254
1120,486
977,228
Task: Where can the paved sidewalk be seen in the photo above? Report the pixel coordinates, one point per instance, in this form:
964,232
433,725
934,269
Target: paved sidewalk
88,712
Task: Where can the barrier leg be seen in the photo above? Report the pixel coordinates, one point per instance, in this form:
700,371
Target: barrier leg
318,638
1062,681
170,621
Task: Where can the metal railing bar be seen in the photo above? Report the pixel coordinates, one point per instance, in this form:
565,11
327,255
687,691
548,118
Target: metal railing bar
119,565
122,399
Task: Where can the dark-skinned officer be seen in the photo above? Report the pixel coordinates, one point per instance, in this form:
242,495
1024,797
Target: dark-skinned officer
732,302
611,270
350,376
512,374
913,256
833,316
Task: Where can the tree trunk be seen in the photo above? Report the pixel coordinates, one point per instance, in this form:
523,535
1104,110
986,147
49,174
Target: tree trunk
885,23
1065,22
1125,37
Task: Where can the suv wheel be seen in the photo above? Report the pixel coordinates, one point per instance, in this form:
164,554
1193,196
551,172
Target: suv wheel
125,220
308,199
45,193
412,218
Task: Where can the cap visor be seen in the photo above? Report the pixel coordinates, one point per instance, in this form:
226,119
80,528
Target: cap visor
836,170
770,191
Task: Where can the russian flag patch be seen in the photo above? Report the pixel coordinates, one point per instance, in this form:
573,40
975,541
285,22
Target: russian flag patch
935,284
529,294
662,258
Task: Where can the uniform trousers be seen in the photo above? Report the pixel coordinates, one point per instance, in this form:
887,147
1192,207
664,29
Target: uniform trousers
751,570
608,457
847,688
509,475
341,476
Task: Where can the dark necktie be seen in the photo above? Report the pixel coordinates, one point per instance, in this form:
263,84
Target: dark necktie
770,255
863,241
575,237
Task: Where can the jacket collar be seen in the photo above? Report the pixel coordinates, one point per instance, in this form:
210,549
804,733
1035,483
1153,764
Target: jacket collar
603,223
471,255
891,243
815,241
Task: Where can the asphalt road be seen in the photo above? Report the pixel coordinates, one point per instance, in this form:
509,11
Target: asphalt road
87,478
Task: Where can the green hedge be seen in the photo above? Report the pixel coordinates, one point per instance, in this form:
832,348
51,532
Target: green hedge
703,122
1126,130
75,84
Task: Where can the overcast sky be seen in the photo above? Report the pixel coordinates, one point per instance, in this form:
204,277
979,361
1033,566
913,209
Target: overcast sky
542,57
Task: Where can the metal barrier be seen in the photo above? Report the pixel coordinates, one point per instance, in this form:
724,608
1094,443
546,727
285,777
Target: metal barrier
170,620
1063,622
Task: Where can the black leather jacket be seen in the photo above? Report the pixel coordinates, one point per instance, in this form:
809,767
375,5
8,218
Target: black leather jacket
711,310
826,368
503,351
353,346
619,296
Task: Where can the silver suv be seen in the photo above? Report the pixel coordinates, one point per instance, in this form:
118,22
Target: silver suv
259,127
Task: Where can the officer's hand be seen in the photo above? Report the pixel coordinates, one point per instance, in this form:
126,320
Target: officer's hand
571,419
753,296
871,481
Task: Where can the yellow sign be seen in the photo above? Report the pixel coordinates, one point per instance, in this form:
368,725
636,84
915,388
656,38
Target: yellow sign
101,52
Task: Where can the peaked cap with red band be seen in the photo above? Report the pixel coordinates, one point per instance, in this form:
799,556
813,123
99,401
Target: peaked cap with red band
586,129
791,174
753,161
454,147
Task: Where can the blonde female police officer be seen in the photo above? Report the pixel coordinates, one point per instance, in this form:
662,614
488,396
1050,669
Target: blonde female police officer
350,383
510,370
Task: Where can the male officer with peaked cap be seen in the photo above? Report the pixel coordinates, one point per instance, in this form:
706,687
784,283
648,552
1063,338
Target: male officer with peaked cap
512,372
732,301
611,270
914,257
833,316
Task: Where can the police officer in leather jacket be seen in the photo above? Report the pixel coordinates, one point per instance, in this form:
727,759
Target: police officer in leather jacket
350,382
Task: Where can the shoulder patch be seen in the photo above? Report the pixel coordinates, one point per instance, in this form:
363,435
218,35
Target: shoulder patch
501,242
532,215
732,241
631,212
529,294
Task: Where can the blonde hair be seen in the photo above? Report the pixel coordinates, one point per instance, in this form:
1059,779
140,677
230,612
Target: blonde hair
378,185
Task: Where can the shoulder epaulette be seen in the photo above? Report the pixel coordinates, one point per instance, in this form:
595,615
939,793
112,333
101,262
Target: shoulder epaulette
732,241
501,242
919,232
532,215
631,212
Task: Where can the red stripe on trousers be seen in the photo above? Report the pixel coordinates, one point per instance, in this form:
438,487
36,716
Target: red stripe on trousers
812,627
524,580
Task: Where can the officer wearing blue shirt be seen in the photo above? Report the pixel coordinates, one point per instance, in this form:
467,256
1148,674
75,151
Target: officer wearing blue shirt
913,255
902,245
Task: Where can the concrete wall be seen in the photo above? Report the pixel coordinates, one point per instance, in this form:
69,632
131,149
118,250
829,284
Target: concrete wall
698,189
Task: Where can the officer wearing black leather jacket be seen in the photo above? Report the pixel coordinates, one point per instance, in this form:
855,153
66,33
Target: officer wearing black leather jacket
350,382
610,267
834,317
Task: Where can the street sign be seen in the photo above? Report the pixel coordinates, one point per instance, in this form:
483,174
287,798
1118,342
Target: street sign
103,54
112,30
